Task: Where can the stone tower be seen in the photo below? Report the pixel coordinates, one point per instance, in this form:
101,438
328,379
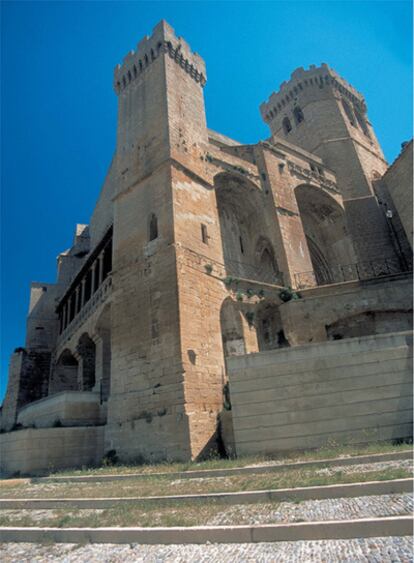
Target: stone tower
161,138
322,113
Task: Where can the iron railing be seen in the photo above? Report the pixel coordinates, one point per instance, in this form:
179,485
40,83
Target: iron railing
340,273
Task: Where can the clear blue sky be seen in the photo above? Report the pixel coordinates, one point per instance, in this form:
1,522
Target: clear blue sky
58,110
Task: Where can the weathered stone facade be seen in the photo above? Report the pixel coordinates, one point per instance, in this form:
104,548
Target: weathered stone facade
200,248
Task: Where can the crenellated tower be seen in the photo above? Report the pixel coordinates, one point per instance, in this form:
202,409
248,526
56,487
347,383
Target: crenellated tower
161,133
322,113
161,110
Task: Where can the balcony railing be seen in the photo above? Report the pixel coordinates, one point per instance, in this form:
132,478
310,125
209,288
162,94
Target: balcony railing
350,272
99,297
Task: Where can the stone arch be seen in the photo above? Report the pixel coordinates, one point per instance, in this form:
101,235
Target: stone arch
86,349
65,373
240,210
324,225
298,115
270,332
232,334
366,323
266,263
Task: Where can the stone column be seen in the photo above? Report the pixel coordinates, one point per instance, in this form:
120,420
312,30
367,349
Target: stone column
83,292
79,359
103,362
101,264
65,315
93,269
285,228
77,296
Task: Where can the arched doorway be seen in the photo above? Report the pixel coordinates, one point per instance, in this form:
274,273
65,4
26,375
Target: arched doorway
65,374
324,225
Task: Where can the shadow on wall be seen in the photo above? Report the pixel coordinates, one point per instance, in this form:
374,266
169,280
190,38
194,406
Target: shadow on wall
370,323
324,224
247,250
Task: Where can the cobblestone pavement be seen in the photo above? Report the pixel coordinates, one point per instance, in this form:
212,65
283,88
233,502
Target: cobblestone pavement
316,510
364,467
370,550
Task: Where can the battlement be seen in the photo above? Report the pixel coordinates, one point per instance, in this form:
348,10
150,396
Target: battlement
302,79
162,41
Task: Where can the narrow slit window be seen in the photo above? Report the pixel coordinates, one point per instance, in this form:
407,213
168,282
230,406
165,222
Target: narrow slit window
204,234
153,227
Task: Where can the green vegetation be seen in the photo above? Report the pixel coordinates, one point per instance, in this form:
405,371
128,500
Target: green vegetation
120,516
165,486
173,513
329,451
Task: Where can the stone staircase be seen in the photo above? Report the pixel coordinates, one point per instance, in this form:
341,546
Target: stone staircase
361,511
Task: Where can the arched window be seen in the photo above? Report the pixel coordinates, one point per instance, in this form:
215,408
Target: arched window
298,115
153,227
362,123
287,126
349,113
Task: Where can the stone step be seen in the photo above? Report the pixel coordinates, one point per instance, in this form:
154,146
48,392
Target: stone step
245,497
342,529
247,470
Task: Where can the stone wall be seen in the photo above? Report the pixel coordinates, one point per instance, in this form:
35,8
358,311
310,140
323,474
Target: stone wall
69,408
398,181
41,450
351,391
309,319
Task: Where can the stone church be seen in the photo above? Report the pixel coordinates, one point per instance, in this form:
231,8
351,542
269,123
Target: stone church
201,250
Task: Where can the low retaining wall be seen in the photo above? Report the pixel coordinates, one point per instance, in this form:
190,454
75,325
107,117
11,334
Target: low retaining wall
70,408
347,391
44,449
